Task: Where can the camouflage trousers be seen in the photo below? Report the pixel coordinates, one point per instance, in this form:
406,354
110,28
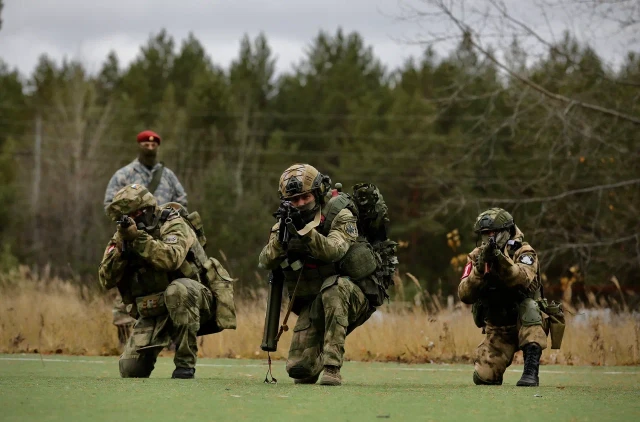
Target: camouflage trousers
494,355
188,303
323,325
121,319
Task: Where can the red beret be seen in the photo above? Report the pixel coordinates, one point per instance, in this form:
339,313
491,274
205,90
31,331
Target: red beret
148,136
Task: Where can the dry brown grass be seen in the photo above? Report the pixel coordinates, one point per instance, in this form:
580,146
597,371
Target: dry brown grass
49,315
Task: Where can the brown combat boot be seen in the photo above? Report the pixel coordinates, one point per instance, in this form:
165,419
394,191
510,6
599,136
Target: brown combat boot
331,376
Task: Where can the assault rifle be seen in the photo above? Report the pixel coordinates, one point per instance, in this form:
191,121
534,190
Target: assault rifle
491,247
124,222
284,214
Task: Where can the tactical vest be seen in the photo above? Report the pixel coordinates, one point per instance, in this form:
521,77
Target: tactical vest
148,280
498,305
358,263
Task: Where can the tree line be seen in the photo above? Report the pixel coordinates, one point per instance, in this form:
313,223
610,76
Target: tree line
443,136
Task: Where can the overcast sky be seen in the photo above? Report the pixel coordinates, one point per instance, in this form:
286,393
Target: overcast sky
87,30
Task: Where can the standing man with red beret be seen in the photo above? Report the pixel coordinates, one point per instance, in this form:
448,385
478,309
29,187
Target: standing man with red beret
147,171
160,181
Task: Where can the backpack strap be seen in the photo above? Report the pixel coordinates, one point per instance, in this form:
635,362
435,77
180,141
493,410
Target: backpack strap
334,206
155,180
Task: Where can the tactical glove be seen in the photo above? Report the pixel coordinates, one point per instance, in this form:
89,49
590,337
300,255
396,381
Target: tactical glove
128,233
298,245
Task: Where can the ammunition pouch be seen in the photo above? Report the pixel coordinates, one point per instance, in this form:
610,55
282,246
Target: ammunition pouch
364,267
151,305
478,312
221,285
359,261
373,290
556,321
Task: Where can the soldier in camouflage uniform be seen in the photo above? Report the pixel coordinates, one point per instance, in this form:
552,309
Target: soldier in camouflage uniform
157,264
502,283
167,189
328,306
141,171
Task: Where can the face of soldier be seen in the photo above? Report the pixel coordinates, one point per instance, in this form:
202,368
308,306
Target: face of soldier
306,204
501,237
148,148
303,202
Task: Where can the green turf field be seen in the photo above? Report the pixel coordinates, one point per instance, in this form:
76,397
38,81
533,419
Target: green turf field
62,388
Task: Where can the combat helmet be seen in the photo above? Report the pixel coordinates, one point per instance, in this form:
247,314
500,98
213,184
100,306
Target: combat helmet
129,199
494,219
303,178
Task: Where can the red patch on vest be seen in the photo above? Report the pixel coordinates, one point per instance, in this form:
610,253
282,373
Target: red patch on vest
311,266
322,218
467,270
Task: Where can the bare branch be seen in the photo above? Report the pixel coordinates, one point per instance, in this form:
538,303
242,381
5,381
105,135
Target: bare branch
561,195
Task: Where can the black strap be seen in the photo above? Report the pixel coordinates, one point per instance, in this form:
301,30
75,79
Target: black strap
155,180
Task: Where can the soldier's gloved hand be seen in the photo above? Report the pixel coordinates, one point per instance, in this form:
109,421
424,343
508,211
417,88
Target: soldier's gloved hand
283,209
298,245
507,269
489,254
130,232
296,219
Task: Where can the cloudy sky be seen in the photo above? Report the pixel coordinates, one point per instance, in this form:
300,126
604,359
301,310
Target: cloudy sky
87,30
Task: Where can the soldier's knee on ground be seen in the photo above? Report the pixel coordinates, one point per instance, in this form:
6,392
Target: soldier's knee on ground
529,313
140,367
478,380
306,364
176,298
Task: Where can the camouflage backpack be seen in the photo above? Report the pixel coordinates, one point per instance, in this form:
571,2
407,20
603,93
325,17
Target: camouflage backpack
371,261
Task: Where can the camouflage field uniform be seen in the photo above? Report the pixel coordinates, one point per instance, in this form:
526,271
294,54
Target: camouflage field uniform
328,306
152,273
506,298
169,190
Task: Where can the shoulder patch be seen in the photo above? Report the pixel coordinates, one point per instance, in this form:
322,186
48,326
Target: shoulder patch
467,270
526,259
351,229
170,239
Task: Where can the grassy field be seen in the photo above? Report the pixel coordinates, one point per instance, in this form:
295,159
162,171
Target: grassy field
63,388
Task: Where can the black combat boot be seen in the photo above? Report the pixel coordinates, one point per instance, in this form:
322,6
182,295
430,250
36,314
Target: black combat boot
184,373
532,353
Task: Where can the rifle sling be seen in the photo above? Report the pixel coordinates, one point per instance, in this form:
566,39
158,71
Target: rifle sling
155,180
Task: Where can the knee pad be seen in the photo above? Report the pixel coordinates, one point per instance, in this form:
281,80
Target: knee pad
479,381
529,313
175,294
135,368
